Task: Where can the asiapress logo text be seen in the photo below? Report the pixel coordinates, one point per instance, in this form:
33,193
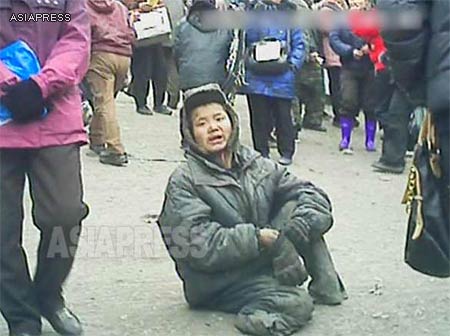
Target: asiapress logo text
40,17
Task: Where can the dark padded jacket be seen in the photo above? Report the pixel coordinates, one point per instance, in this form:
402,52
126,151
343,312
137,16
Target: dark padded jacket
200,54
420,59
343,42
210,217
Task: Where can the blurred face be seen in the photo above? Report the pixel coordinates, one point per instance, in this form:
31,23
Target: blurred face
211,127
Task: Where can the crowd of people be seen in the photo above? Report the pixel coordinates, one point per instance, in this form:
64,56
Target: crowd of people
250,232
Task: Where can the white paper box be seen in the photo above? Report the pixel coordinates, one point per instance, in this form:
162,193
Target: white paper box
153,27
268,51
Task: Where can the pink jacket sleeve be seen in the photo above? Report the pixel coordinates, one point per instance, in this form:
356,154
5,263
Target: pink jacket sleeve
69,60
7,77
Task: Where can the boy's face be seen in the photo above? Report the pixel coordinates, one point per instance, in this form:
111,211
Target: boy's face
211,127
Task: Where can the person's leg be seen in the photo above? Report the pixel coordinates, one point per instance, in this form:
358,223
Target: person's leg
260,118
284,127
58,209
326,286
314,99
103,83
264,307
141,73
159,80
17,301
349,106
334,75
395,131
369,103
173,85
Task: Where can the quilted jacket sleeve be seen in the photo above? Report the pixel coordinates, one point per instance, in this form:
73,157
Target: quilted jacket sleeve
340,47
313,204
297,55
192,237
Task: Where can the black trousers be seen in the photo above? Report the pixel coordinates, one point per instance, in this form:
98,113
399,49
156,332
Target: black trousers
148,63
54,176
264,111
334,85
395,127
357,92
383,90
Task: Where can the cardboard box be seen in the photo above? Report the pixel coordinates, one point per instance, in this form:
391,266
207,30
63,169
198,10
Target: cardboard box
153,27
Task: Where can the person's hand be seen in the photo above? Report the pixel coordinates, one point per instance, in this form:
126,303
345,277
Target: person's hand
366,49
24,100
357,54
267,237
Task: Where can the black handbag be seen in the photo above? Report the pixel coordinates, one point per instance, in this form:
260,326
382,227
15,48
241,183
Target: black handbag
427,248
270,67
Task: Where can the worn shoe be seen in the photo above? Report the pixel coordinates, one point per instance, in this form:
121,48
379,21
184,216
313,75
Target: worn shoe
145,110
285,161
114,159
314,127
64,322
383,167
163,109
95,150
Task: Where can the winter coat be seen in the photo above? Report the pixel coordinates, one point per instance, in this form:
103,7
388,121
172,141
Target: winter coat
370,33
110,28
343,42
211,216
282,85
420,59
176,11
63,50
200,54
331,58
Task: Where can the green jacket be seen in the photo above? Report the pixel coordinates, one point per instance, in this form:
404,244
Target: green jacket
211,216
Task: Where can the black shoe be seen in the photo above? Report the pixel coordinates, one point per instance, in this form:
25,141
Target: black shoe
145,110
64,322
314,127
383,167
162,109
114,159
95,150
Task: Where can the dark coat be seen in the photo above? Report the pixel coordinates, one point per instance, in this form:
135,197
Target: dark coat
420,59
200,54
343,42
211,216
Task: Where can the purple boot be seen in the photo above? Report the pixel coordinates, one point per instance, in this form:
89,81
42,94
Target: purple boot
346,132
371,130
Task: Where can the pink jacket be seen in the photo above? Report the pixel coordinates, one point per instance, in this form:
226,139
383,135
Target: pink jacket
331,58
111,30
63,49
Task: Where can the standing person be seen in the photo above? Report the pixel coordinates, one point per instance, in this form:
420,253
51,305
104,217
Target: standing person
420,61
112,39
309,80
357,77
332,61
148,63
249,225
176,10
200,52
47,152
270,95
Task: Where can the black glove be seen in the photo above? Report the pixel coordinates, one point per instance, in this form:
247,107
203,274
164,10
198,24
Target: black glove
24,100
287,265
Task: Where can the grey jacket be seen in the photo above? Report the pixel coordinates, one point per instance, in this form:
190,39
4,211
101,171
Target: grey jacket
200,54
211,217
